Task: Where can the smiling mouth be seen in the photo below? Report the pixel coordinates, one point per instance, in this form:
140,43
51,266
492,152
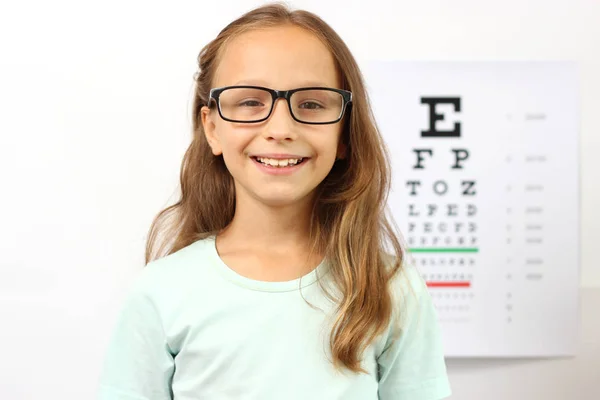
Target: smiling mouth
273,163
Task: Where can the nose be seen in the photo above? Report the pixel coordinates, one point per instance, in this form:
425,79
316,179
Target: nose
280,125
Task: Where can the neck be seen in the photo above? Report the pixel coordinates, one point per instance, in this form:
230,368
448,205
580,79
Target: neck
256,225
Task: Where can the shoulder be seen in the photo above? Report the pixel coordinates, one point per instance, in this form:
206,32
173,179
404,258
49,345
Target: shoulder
412,304
412,362
162,293
166,279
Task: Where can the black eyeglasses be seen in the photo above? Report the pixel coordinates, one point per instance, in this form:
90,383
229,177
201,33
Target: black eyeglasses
308,105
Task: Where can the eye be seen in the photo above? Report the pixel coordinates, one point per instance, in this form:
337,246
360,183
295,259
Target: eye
310,105
250,103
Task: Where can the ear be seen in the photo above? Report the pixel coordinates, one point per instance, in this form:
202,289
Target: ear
208,123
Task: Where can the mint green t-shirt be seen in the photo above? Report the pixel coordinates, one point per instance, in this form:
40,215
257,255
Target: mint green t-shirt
192,328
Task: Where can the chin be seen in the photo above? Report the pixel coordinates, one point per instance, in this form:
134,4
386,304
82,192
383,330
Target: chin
282,199
279,201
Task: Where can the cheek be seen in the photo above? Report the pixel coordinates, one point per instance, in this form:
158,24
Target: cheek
331,142
234,139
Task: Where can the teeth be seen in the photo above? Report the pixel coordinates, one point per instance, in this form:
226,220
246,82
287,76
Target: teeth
279,163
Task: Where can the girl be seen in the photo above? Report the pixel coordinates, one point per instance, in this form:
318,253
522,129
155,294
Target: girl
274,282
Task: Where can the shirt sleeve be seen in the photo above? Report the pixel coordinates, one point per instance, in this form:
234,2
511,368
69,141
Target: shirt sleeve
138,364
412,365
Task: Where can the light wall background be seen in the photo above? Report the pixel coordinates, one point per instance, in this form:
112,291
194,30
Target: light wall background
94,121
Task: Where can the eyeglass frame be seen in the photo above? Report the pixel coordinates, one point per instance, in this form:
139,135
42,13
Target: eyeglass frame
281,94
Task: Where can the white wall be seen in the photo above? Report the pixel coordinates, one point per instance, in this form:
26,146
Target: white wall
94,101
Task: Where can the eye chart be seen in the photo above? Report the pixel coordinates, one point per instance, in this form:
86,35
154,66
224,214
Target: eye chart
486,195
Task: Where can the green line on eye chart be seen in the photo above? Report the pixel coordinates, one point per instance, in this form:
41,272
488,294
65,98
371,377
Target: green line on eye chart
444,250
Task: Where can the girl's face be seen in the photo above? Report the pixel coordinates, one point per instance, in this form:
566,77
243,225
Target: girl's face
281,58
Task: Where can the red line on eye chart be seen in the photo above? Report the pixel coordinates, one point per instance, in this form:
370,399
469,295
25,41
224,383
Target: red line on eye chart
453,284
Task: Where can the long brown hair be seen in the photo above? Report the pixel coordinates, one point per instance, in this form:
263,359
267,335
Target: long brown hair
349,222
